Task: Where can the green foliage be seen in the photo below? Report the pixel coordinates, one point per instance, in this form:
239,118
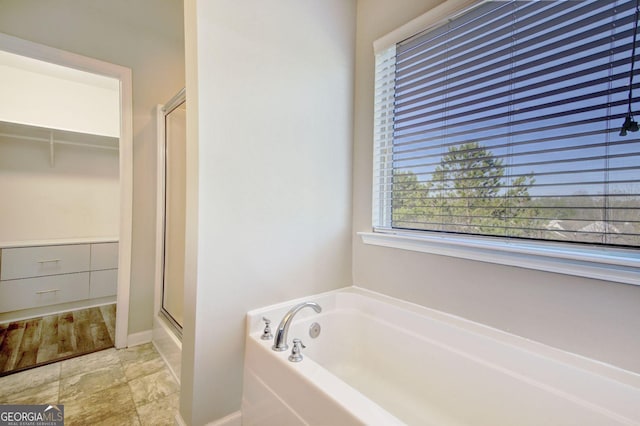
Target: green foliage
409,199
468,192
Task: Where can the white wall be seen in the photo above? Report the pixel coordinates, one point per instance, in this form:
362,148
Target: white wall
269,100
57,97
594,318
146,36
78,197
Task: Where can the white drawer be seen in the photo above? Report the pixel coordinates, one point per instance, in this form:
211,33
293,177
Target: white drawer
27,262
42,291
103,283
104,256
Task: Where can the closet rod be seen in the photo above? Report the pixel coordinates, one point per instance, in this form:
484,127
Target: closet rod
62,142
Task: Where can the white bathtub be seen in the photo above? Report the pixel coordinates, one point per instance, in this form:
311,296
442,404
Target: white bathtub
381,361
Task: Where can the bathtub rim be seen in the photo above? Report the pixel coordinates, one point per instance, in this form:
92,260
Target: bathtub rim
254,326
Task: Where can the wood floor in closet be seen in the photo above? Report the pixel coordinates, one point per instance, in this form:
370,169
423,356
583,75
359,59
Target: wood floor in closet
38,341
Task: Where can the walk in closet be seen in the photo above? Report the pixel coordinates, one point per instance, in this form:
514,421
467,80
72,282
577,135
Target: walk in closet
59,211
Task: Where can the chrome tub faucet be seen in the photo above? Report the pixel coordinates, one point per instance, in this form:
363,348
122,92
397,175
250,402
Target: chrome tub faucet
280,342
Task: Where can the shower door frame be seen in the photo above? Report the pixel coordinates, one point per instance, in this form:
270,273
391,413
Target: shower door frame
162,111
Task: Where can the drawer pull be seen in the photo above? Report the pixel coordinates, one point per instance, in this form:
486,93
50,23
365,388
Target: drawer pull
48,291
49,261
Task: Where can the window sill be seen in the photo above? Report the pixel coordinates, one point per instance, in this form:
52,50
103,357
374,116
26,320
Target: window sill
618,265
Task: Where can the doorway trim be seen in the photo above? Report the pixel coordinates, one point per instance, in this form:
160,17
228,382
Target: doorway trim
123,74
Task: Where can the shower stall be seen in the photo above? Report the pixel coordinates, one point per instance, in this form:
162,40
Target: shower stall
170,233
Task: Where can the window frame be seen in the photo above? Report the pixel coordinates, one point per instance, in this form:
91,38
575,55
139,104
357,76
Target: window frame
607,263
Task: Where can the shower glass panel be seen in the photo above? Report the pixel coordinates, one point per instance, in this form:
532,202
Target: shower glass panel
174,223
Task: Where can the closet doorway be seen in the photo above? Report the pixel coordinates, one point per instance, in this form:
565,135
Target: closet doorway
103,258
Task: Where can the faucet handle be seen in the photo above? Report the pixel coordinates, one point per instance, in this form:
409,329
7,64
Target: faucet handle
266,334
296,351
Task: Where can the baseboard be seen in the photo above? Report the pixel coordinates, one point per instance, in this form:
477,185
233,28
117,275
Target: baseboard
140,338
233,419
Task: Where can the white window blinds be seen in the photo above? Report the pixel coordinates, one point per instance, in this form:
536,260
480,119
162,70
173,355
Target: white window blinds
505,121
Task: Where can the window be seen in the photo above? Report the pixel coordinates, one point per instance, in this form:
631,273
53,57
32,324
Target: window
505,121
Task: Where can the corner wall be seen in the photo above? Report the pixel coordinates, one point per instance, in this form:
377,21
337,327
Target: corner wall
593,318
270,133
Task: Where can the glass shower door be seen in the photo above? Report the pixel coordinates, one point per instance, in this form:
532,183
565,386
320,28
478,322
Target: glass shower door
174,224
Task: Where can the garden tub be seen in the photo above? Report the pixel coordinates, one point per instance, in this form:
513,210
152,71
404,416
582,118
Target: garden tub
382,361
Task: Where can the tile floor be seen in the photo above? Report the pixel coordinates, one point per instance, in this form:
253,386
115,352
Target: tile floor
130,386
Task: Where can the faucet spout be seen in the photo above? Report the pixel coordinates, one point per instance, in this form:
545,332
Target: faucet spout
280,341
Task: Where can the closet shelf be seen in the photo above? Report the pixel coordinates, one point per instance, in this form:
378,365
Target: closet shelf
56,137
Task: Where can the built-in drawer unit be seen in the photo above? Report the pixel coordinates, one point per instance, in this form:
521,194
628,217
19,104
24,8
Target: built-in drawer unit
27,262
103,283
104,256
104,272
51,274
43,291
